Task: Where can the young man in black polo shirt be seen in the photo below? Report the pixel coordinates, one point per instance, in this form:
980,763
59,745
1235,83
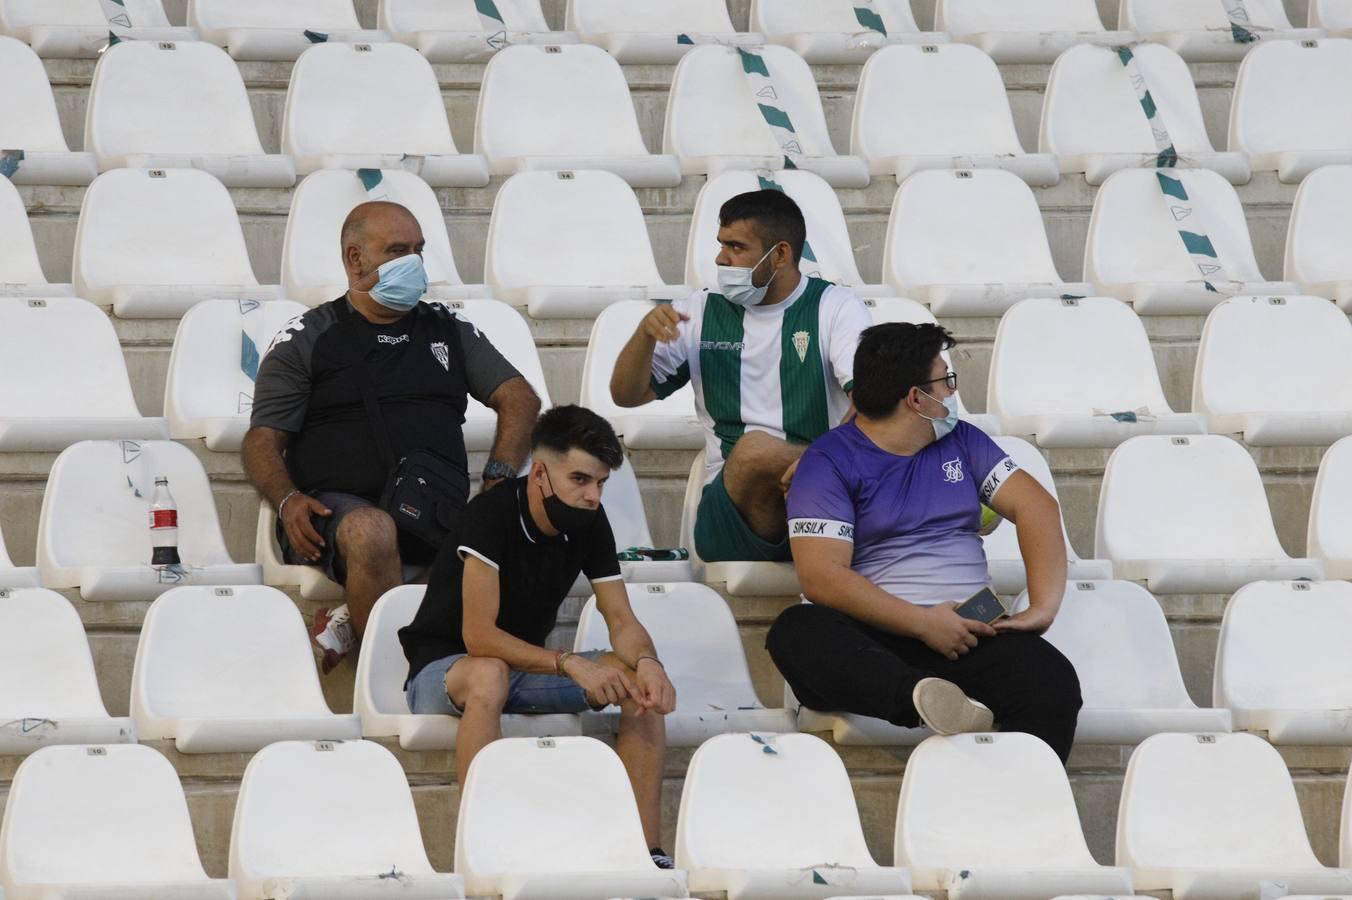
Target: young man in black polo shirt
476,647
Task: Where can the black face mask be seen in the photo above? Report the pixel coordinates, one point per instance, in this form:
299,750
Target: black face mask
567,519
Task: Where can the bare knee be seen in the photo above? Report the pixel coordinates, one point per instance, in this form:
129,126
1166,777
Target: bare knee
478,681
368,539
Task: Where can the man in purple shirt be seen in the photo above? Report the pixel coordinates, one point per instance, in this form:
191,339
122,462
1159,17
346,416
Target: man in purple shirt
884,523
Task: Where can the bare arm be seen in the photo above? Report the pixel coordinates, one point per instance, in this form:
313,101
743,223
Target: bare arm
1037,522
631,382
264,463
633,645
517,406
480,628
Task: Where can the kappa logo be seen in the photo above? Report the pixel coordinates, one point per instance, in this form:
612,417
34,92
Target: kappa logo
392,339
953,471
801,340
292,328
443,355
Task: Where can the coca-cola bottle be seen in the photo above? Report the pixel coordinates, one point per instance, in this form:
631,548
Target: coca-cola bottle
163,526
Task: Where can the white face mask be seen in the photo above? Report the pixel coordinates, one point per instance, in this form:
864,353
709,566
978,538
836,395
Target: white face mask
943,424
736,284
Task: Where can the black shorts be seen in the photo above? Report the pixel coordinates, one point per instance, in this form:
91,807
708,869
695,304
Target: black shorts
412,551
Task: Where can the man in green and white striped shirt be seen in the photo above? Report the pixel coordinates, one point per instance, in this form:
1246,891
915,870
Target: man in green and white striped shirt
771,358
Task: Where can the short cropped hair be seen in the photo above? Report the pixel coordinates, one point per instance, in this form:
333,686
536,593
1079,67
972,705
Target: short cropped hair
773,215
891,359
565,428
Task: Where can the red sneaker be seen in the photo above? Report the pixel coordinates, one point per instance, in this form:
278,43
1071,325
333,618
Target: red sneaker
332,636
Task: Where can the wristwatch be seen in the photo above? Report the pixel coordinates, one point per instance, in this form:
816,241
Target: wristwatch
496,469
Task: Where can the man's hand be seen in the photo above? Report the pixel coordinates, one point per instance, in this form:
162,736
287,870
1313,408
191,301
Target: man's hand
603,685
663,323
655,690
296,513
946,632
1031,620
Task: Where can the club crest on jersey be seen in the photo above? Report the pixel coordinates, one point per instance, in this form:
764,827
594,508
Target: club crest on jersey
442,354
953,471
801,339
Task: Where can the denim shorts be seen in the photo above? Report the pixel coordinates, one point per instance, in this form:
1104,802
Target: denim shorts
527,692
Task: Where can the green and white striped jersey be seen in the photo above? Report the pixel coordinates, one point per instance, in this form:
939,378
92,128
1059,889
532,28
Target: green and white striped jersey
784,369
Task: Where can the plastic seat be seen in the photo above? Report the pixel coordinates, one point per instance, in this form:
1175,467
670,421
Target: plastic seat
20,272
63,379
456,33
539,813
1199,30
80,28
330,820
510,334
830,32
1318,234
773,817
1188,515
987,816
208,391
654,31
373,106
101,823
1131,684
1333,15
970,243
939,107
309,581
267,30
1278,112
1307,401
154,243
1026,31
1079,373
1330,533
564,108
569,244
12,576
828,240
28,122
1213,817
715,120
229,670
697,638
623,501
92,533
178,105
1134,251
1093,121
48,691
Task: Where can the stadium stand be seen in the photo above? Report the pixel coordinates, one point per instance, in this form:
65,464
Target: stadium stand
623,502
1333,15
835,32
1025,31
459,33
12,576
29,122
265,30
1319,234
20,271
847,729
63,29
654,31
1330,532
1202,31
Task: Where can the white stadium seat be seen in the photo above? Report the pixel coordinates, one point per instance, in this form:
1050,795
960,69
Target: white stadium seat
28,122
991,817
667,424
1290,107
1188,515
1093,121
828,240
1215,817
79,28
1200,31
830,32
379,694
309,581
48,691
696,636
1319,234
939,107
229,670
569,244
715,120
268,30
848,729
510,334
93,532
12,576
178,105
333,820
564,108
20,272
1333,15
312,259
1079,373
1280,664
970,243
1131,685
1025,31
1135,250
539,813
1330,534
773,817
209,388
373,106
1304,401
152,243
456,33
63,378
101,823
654,31
623,501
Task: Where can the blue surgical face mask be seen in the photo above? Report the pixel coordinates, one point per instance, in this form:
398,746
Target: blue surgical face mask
402,283
943,424
736,283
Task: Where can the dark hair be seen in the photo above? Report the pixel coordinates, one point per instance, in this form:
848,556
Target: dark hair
773,215
891,359
564,428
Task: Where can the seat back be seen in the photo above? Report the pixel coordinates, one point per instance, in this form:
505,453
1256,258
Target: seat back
1330,14
18,253
1330,534
780,801
611,331
651,16
979,226
1210,801
84,13
776,17
1151,16
1320,232
960,17
1003,542
382,666
1282,87
46,670
1198,497
623,502
169,97
402,16
511,336
28,119
316,15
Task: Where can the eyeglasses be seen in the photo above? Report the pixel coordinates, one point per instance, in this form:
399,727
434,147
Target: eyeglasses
950,380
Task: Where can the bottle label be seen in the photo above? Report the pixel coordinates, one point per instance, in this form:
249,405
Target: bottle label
164,518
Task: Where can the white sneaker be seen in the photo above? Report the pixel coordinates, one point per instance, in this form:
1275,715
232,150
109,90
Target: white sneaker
947,710
333,636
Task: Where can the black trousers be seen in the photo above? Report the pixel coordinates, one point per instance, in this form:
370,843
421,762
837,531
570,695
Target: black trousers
835,663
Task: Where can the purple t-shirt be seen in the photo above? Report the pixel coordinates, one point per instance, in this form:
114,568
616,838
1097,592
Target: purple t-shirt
914,521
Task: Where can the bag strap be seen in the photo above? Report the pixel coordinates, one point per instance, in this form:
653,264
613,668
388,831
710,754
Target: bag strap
347,325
